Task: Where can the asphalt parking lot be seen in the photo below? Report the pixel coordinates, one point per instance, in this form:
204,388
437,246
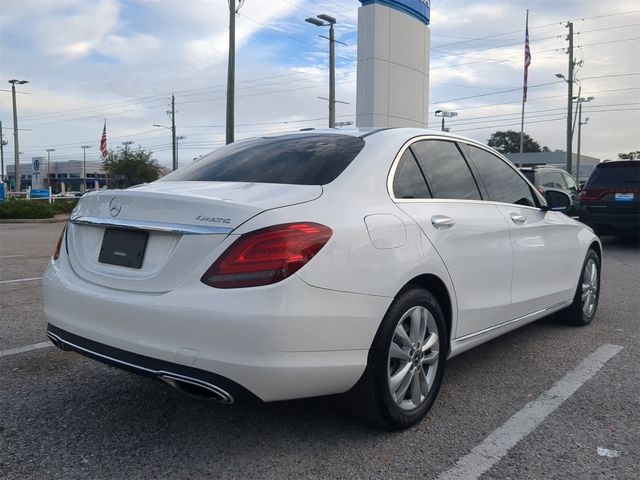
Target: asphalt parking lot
509,409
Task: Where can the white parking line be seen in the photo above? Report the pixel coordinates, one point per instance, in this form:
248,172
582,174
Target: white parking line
33,279
485,455
11,256
26,348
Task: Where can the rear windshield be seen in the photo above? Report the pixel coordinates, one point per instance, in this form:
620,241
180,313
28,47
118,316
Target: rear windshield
530,174
615,175
305,159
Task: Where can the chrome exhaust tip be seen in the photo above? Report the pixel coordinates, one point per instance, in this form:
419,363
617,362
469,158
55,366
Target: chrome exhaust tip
195,388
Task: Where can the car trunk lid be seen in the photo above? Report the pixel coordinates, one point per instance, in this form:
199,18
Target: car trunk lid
182,224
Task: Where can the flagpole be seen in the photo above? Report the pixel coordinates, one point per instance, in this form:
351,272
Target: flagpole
524,89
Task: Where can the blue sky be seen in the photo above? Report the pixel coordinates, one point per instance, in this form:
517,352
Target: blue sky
88,60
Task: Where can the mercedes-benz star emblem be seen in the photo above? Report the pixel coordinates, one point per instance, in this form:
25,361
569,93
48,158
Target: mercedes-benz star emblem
114,207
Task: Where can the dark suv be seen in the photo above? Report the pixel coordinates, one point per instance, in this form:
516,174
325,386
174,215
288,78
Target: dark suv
610,200
544,177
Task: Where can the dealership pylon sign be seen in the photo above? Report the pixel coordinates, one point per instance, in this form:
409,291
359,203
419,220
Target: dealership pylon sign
393,63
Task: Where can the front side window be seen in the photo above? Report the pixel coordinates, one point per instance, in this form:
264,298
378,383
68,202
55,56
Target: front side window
303,159
502,182
408,181
446,170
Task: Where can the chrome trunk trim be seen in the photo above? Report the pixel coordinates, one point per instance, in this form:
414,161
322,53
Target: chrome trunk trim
179,228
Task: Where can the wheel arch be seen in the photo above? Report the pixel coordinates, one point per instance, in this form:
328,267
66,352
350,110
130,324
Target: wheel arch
595,245
438,288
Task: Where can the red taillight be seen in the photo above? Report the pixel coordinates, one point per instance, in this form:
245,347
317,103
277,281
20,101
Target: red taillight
56,253
267,256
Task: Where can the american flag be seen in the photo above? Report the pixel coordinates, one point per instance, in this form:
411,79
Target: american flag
103,141
527,60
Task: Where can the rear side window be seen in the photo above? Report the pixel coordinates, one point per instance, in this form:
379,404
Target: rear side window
552,180
305,159
502,182
615,175
446,170
408,181
570,182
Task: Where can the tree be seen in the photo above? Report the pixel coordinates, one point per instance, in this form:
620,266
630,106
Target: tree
630,155
131,167
509,142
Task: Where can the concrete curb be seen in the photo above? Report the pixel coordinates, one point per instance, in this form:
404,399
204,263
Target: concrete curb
56,219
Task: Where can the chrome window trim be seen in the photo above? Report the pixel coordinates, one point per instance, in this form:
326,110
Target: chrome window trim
411,141
179,228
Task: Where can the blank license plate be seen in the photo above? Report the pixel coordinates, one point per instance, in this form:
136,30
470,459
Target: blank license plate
624,197
123,247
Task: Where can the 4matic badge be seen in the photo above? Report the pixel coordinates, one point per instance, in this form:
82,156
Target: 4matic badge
204,218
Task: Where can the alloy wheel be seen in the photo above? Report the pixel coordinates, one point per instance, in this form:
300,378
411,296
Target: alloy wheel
413,358
589,288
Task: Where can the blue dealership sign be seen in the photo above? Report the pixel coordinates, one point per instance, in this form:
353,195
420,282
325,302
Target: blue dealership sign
39,193
2,194
420,9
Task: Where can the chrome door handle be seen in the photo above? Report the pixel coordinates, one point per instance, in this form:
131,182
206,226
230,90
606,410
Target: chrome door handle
442,222
518,219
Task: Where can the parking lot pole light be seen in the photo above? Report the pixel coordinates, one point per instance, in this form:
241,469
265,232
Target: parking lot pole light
231,75
581,100
2,144
49,150
84,167
16,148
324,20
445,114
178,138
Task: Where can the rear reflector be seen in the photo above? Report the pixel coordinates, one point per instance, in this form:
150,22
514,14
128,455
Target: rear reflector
267,256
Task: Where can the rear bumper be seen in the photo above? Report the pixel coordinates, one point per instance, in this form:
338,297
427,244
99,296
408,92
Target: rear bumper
611,222
284,341
220,388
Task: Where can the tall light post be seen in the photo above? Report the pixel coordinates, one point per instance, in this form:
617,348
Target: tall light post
3,142
580,101
49,150
174,142
84,166
444,114
16,147
328,21
181,137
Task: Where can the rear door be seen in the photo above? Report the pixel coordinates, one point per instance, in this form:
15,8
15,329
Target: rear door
434,185
544,243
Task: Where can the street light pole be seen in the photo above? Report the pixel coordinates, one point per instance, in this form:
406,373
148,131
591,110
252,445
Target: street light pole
445,114
181,137
581,100
84,167
16,147
49,150
2,144
324,21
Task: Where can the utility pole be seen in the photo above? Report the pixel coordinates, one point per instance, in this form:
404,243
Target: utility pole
16,148
172,114
231,73
569,160
84,167
49,150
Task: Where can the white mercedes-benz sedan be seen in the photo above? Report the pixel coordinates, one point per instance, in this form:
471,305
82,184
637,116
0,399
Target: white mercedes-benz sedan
318,262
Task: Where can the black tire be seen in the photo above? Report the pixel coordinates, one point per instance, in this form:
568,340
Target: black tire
575,314
371,399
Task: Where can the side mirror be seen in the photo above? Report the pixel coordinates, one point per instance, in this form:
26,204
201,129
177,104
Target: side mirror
557,200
